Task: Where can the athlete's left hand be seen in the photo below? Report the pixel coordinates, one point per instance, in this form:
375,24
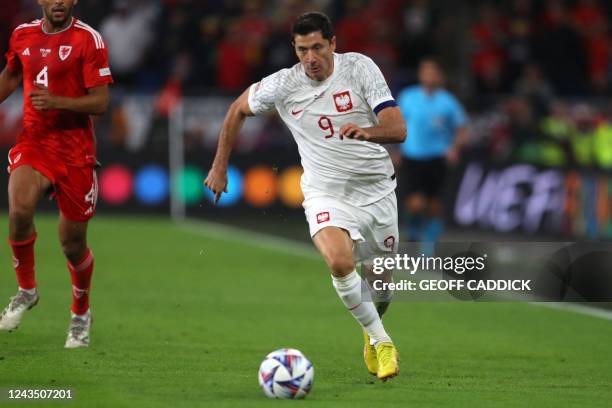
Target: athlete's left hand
353,131
42,99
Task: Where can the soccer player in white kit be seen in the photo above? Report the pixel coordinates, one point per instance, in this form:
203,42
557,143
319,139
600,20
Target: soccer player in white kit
339,109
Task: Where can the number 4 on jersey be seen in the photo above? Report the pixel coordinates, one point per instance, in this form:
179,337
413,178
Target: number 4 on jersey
43,78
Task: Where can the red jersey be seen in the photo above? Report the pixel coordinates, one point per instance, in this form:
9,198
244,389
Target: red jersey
68,63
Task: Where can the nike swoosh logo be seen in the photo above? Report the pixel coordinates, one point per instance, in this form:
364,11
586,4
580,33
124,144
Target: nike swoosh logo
297,112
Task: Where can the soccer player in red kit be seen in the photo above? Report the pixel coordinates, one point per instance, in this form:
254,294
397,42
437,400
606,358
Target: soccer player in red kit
63,64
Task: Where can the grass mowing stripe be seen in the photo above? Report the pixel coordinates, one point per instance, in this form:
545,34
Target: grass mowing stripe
271,242
183,320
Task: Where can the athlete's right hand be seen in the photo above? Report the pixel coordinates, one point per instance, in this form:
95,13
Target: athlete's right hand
216,181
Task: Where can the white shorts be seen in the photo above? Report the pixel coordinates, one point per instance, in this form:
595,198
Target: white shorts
372,227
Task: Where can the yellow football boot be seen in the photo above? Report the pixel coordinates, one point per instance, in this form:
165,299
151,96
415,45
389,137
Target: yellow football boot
369,355
388,361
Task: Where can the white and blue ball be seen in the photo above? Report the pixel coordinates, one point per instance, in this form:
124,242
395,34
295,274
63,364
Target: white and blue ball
286,374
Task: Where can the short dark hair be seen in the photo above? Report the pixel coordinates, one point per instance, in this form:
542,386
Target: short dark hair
311,22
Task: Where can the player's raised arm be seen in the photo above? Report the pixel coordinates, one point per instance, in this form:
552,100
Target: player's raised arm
9,81
94,103
238,111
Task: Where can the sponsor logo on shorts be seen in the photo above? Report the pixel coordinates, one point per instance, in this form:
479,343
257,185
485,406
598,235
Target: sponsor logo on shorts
389,242
104,72
322,217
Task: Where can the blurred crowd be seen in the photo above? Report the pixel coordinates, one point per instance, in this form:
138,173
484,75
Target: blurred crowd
504,46
568,134
535,61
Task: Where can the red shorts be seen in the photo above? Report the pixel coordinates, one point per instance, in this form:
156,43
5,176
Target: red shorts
75,188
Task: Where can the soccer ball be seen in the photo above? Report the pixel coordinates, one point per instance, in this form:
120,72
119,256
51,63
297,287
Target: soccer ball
286,374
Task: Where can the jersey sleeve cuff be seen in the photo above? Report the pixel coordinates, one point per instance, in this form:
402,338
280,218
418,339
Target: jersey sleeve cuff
12,64
13,68
251,99
100,82
386,104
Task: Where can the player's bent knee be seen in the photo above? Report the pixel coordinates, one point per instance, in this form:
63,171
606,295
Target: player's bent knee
340,265
21,216
73,248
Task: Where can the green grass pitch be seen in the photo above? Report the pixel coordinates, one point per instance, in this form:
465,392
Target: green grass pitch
184,319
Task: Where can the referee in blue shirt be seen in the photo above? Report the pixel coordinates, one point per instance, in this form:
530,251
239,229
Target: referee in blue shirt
436,125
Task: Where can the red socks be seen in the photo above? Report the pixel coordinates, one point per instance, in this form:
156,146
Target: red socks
81,281
23,261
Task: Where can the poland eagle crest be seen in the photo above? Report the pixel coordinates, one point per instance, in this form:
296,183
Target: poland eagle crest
343,101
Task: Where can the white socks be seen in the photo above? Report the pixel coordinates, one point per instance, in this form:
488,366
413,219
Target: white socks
28,291
349,290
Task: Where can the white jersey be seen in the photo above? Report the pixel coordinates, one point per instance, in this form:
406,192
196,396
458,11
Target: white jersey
356,171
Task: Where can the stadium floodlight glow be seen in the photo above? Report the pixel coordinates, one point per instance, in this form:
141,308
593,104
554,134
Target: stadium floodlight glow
234,188
116,184
187,185
289,187
260,186
151,184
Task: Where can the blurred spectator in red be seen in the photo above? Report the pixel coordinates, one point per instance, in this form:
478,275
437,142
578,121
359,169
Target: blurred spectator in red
353,28
253,23
233,71
587,13
592,23
254,27
488,36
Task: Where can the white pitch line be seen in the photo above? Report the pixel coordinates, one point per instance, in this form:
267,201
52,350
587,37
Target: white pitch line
271,242
253,238
577,308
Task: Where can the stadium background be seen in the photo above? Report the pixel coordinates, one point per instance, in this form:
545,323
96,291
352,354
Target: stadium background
535,77
536,80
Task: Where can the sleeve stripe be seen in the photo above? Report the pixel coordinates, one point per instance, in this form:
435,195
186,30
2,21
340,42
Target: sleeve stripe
383,105
96,36
30,24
